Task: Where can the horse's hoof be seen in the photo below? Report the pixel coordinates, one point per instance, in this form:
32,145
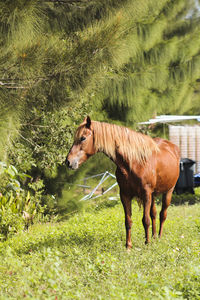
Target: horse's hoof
128,250
128,247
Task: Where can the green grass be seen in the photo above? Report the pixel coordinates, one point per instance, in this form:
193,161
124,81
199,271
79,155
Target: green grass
85,258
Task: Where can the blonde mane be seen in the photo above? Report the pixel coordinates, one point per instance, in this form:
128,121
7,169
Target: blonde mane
112,139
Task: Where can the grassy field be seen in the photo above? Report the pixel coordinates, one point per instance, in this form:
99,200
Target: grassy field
85,258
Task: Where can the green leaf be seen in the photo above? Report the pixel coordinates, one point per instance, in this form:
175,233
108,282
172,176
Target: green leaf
11,171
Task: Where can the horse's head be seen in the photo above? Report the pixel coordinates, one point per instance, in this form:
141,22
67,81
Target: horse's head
83,146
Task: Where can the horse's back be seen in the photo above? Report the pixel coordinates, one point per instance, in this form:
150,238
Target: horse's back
167,164
169,147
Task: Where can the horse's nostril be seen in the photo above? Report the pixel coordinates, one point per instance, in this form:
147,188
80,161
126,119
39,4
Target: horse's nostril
67,162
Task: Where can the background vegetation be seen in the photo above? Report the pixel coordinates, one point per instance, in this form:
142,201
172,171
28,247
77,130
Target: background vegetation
121,61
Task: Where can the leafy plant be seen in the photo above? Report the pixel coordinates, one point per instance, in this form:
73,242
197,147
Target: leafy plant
18,207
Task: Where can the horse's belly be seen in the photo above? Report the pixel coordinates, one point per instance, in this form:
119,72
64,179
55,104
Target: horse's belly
167,176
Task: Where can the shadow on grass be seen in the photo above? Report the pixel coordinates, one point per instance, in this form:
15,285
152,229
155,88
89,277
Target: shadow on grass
65,214
59,236
182,199
56,241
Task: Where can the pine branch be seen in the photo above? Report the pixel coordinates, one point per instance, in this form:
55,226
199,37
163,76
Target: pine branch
8,86
28,140
66,1
69,2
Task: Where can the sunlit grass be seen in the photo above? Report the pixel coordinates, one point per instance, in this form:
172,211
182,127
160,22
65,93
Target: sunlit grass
85,258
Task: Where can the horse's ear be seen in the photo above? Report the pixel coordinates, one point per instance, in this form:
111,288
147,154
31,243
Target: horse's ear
88,122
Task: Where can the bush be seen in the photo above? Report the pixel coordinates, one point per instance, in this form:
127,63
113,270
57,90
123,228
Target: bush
185,198
18,207
10,221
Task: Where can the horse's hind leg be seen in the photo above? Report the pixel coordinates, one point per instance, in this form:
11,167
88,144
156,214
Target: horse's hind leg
166,200
153,217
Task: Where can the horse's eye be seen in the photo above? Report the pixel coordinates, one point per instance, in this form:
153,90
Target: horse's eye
83,138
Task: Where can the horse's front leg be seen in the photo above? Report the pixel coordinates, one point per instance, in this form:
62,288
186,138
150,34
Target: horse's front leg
146,214
126,201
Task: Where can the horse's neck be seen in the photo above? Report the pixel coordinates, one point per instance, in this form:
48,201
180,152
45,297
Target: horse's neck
124,146
109,143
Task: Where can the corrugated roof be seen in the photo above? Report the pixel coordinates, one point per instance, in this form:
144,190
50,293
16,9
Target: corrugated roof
170,119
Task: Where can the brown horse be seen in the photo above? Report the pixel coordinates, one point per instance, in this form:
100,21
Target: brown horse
145,167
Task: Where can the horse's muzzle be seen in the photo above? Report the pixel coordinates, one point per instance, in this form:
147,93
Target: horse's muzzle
72,165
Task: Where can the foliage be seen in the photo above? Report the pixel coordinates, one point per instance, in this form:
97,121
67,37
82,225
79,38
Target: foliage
186,198
51,137
162,73
116,60
18,207
88,250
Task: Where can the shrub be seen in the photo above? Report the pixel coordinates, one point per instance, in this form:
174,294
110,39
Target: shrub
18,207
185,198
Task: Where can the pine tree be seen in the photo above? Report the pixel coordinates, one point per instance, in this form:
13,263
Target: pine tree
162,76
125,60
